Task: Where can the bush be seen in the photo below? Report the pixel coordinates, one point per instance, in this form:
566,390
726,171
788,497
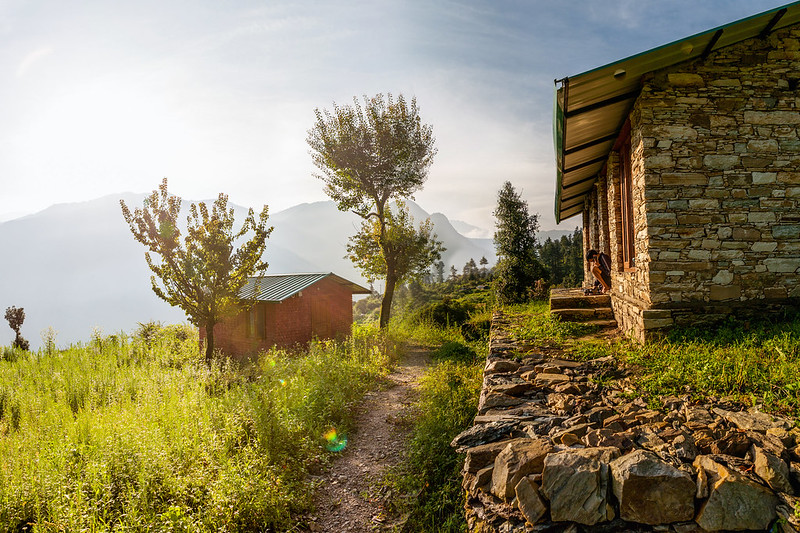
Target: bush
514,280
455,351
476,329
444,314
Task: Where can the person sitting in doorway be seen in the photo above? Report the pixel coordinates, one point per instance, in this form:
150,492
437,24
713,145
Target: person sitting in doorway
600,267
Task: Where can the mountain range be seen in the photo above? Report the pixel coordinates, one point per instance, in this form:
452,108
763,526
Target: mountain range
76,266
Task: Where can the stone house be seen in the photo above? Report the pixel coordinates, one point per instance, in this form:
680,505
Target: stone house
290,310
684,162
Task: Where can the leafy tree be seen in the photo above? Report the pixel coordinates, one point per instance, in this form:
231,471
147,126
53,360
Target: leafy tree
395,250
15,317
453,273
515,241
370,155
202,273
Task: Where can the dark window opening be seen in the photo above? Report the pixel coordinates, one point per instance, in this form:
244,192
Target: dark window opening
626,190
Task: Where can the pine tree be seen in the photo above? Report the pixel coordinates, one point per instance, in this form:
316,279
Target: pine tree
515,241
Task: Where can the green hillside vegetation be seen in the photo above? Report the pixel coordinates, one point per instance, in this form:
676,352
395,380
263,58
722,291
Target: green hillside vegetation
137,433
753,363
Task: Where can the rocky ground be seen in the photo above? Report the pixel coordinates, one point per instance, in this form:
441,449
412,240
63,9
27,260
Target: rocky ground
349,495
554,448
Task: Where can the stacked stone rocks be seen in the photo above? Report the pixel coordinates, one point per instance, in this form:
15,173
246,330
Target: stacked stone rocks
554,450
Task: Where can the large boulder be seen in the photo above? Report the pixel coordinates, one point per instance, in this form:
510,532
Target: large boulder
518,459
576,481
734,502
651,491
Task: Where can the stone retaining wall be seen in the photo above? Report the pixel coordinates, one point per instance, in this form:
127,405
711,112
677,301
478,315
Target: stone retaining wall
553,450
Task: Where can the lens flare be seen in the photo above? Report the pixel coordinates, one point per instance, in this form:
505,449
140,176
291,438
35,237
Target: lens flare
335,441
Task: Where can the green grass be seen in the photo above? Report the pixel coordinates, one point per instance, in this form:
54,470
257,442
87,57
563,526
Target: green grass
139,434
534,323
757,363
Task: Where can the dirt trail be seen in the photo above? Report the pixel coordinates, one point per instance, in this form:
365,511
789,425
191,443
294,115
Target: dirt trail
347,499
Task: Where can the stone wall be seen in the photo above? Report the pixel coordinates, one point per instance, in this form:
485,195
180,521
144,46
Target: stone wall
553,450
716,176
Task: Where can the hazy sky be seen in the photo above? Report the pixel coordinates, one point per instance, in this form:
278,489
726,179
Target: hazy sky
101,97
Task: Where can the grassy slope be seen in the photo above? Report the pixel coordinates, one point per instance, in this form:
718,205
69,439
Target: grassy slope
121,435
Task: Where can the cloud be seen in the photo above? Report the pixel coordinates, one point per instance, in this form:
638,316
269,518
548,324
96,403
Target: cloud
31,59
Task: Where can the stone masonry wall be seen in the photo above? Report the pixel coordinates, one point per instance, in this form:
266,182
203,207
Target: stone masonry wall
716,176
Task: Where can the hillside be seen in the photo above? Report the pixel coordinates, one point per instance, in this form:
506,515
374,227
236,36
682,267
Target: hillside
76,266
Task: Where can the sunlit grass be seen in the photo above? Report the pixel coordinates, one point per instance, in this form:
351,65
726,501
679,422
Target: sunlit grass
143,436
754,363
532,322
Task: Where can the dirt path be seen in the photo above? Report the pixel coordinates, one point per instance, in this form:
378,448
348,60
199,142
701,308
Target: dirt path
347,497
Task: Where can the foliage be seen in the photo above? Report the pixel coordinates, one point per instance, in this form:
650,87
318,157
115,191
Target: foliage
515,236
202,274
455,351
515,280
515,241
445,313
410,251
15,317
369,156
563,259
123,434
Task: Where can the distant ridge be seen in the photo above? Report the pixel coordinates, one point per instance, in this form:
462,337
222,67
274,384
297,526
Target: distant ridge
75,266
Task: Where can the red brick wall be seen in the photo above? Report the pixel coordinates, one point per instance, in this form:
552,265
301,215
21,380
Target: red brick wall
324,310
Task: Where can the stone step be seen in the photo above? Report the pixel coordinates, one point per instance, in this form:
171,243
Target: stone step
580,301
582,315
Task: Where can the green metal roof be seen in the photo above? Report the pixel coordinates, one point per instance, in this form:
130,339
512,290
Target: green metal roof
591,108
279,287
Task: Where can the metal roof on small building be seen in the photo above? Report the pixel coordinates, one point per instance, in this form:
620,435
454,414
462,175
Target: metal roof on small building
279,287
591,108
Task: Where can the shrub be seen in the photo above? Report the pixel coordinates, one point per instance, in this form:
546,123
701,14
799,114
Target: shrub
444,314
455,351
514,280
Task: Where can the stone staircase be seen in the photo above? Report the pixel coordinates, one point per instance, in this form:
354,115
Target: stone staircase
574,306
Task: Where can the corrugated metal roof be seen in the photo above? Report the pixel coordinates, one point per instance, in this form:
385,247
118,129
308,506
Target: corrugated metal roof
279,287
591,108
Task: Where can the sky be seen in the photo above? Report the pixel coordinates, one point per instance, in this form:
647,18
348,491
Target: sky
101,97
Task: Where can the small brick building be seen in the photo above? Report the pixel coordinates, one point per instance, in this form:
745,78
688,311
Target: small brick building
290,310
685,164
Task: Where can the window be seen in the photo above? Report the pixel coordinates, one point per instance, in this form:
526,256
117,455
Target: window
256,322
626,193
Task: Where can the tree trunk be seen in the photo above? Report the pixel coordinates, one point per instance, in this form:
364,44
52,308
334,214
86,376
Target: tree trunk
386,303
209,342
